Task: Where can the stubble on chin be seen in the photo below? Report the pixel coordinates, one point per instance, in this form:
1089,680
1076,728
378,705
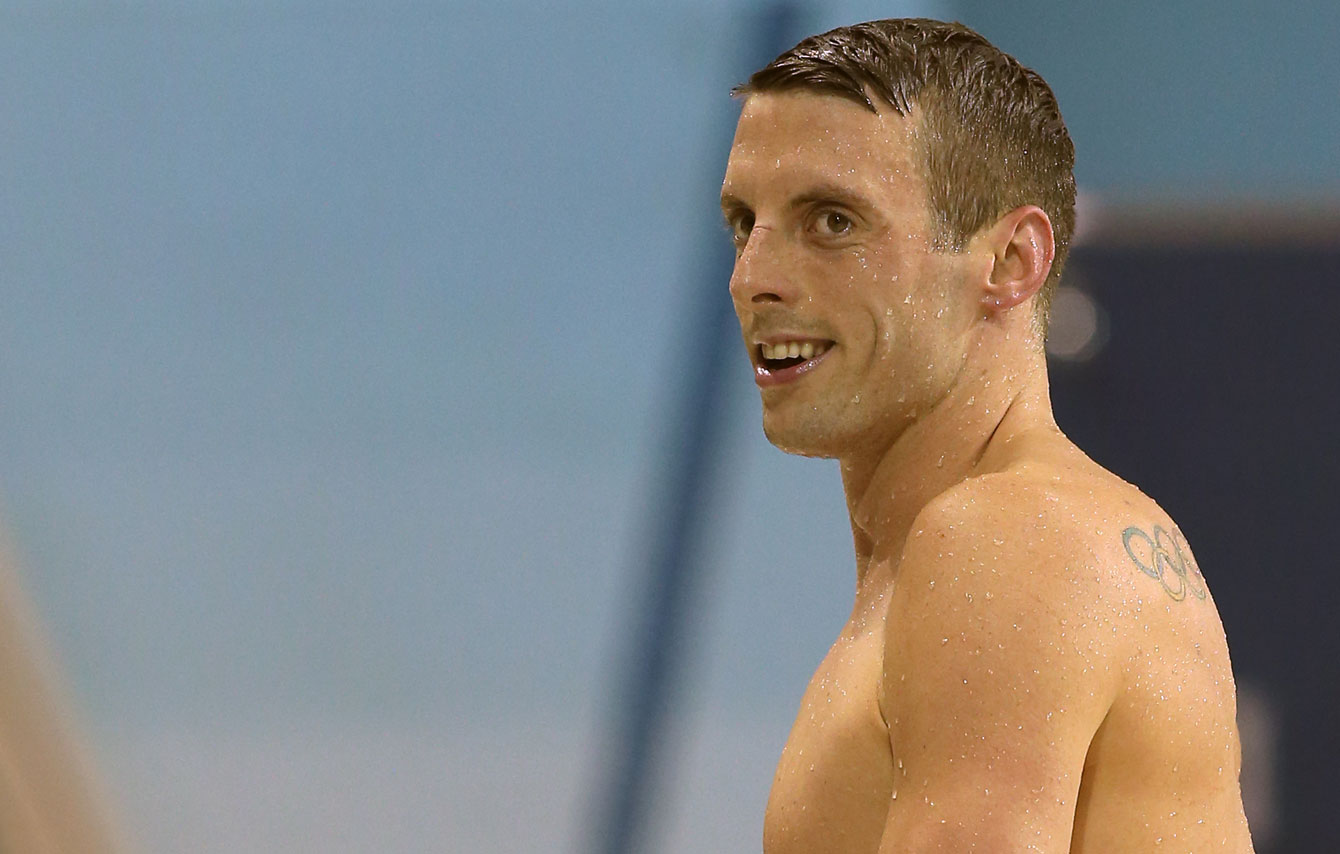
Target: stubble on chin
808,434
836,433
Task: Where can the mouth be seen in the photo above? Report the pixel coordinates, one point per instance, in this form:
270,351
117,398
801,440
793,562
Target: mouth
787,361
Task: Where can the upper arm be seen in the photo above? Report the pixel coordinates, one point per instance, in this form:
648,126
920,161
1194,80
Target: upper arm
996,676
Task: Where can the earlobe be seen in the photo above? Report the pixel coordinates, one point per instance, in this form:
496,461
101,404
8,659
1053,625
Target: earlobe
1022,247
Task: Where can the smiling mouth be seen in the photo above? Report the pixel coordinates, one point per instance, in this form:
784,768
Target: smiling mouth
789,354
785,362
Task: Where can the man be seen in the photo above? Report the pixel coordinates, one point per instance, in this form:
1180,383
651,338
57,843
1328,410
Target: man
1033,661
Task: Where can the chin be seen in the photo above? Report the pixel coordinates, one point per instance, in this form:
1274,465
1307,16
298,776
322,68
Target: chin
839,435
804,440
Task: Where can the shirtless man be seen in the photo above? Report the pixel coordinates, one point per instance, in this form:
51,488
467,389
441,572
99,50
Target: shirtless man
1033,661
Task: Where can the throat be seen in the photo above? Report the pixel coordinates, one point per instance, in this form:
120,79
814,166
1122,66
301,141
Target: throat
953,442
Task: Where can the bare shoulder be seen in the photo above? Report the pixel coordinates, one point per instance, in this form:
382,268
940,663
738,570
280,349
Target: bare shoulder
1080,532
1082,559
1113,604
1007,580
1053,526
1000,656
1048,629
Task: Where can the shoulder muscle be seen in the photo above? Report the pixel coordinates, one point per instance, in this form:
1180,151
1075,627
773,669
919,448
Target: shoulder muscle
997,671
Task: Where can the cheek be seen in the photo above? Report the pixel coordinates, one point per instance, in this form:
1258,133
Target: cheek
891,334
891,311
923,320
912,345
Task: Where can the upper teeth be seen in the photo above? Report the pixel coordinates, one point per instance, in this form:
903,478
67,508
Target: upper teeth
793,349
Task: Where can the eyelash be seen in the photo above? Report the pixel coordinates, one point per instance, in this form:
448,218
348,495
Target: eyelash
824,213
735,221
731,223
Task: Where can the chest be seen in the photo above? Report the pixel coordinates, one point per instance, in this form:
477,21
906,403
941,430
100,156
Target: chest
835,777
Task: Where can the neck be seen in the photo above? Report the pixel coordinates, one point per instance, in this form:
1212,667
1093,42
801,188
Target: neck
966,434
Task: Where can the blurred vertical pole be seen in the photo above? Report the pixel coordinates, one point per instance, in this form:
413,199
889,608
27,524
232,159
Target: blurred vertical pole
673,578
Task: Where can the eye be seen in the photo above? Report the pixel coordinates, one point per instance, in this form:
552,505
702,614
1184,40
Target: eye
832,223
740,225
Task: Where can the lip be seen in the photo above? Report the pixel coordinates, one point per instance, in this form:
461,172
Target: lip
765,377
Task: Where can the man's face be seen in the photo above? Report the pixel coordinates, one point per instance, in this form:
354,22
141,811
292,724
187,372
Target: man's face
834,251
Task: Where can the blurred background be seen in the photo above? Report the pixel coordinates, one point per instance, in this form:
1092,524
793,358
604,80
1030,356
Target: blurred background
342,345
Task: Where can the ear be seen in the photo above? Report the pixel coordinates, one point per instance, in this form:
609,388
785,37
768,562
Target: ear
1022,248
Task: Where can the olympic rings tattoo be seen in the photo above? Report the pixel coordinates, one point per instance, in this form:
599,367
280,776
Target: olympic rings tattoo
1166,558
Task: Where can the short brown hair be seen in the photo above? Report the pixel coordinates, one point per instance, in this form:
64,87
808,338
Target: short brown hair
994,138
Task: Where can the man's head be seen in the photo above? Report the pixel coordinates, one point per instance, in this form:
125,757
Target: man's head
992,136
887,212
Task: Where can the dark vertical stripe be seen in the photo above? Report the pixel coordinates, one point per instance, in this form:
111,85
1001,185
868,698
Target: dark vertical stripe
689,447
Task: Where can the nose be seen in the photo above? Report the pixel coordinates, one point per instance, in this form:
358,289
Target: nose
761,273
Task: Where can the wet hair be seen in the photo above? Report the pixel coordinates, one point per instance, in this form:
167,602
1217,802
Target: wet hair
992,133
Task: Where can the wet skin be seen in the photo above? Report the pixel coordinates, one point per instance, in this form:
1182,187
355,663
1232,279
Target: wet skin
1033,661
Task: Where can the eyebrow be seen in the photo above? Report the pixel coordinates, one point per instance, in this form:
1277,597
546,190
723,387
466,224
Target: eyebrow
821,192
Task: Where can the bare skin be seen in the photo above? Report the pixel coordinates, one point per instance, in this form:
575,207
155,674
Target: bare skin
1033,661
48,801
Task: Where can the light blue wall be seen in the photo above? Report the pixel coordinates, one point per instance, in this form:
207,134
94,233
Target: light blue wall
1200,100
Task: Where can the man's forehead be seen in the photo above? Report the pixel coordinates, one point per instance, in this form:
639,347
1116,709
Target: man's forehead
817,138
804,117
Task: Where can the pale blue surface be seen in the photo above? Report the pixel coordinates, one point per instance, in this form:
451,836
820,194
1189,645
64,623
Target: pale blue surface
1202,100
